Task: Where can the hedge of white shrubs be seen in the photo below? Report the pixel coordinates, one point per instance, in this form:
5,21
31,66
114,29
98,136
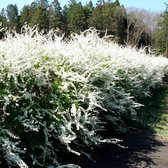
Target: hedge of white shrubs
56,95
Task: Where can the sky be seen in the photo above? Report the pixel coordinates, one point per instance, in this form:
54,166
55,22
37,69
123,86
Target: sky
152,5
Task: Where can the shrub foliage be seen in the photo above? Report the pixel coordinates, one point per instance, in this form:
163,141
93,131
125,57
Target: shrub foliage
56,95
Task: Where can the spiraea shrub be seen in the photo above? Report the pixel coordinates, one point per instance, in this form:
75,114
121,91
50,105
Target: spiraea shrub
56,95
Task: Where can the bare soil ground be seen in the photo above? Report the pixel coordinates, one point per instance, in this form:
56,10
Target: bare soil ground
146,146
143,151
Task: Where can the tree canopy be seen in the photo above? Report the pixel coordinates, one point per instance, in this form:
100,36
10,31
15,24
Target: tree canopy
134,27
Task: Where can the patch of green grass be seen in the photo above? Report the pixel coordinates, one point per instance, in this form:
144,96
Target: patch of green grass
155,112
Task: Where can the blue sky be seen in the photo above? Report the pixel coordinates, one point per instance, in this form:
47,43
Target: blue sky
152,5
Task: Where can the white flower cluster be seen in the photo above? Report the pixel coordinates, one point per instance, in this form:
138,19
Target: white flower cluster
56,94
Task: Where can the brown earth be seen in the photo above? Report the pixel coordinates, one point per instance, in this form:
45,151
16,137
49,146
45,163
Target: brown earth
143,150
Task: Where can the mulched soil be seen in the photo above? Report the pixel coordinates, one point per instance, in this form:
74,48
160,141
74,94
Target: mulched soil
143,150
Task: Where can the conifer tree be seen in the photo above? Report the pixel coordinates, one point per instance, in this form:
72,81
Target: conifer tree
55,15
13,16
3,19
162,33
75,17
40,16
25,15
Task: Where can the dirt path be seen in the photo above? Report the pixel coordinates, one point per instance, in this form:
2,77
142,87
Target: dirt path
158,157
143,151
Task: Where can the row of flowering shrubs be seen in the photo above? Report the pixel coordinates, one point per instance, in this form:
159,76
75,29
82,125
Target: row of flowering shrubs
56,95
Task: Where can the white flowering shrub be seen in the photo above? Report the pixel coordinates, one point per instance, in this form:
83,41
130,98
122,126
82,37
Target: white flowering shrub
55,95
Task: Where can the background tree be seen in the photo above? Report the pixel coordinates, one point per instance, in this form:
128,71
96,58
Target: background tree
64,19
139,27
3,22
13,16
121,21
25,15
110,17
76,17
90,5
40,15
131,26
162,33
88,10
103,17
55,15
3,19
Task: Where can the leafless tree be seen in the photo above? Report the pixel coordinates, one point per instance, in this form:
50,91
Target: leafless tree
140,22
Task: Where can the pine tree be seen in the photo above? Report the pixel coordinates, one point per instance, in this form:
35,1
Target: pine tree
64,20
103,17
3,19
109,17
88,10
25,15
75,17
163,32
55,15
90,5
117,3
13,16
40,15
3,22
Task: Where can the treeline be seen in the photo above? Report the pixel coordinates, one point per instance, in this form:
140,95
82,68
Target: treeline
126,26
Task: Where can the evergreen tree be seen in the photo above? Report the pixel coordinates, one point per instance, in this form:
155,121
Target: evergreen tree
25,15
103,17
55,15
75,17
3,22
162,33
88,10
109,17
3,19
64,20
120,16
40,15
13,16
117,3
90,5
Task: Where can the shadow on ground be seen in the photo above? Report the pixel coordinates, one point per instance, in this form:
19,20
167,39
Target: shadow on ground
138,144
143,150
